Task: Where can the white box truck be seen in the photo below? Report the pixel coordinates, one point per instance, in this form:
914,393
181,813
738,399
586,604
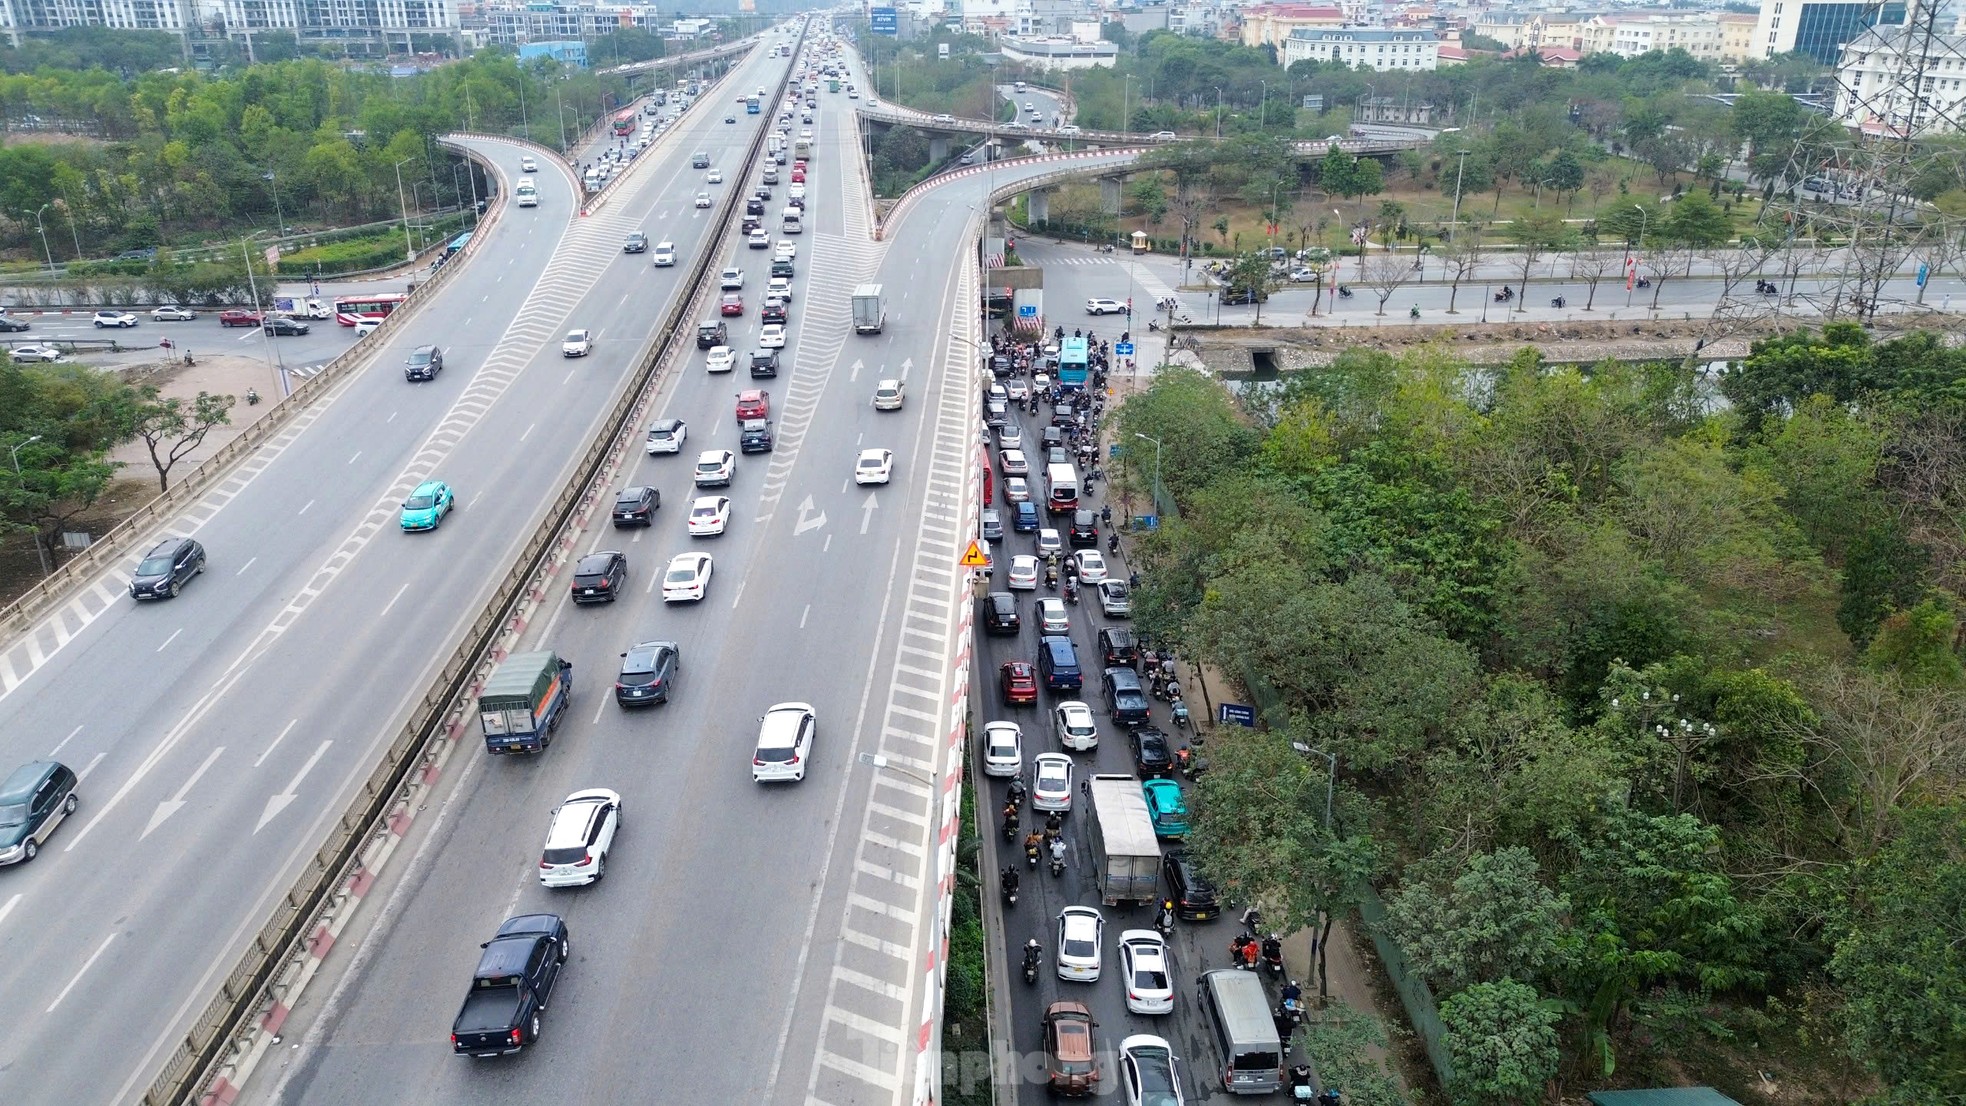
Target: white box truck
1125,853
869,316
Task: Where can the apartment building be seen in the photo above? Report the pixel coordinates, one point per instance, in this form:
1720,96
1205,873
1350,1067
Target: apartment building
127,15
1892,81
1629,35
1271,24
1373,47
513,24
1819,28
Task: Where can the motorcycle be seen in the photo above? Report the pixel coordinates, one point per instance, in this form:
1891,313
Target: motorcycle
1107,248
1007,880
1180,711
1414,313
1016,793
1643,282
1164,921
1072,592
1153,326
1051,578
1300,1083
1031,850
1505,295
1557,302
1273,954
252,397
1344,292
1112,543
1057,857
1291,1010
1010,823
1032,956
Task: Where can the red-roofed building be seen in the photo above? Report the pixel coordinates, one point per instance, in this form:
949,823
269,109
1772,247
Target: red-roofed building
1556,57
1271,24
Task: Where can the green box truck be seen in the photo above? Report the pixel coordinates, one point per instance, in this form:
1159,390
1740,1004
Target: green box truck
522,702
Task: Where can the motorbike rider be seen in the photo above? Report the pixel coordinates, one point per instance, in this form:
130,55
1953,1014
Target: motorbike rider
1033,841
1292,992
1058,852
1016,795
1033,952
1008,877
1010,817
1165,920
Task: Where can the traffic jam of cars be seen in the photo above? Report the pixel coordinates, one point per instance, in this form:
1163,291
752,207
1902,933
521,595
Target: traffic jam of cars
1086,753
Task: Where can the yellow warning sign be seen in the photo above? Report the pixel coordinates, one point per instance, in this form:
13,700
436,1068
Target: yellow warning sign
975,557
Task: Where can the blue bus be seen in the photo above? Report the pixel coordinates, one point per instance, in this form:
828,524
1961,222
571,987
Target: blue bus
751,106
457,243
1073,364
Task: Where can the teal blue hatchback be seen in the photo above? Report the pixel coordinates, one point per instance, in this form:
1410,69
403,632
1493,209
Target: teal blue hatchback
1166,807
427,505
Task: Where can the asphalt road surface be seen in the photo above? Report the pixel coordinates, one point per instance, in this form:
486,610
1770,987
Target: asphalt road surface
218,731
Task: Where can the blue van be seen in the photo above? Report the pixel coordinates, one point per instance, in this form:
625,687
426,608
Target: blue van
1058,663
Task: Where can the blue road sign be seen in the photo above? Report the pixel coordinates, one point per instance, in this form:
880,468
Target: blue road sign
1122,349
882,21
1240,714
1027,310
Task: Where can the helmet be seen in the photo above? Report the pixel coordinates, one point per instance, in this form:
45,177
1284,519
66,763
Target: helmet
1031,944
1293,983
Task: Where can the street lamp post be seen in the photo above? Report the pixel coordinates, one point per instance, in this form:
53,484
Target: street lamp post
1263,111
1218,110
273,177
40,549
1154,494
1330,779
409,247
267,346
69,210
1632,265
44,237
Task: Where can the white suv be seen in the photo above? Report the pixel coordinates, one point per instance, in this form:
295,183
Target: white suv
578,839
785,736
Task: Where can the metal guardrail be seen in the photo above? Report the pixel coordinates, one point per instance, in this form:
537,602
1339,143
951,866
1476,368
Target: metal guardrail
442,707
891,113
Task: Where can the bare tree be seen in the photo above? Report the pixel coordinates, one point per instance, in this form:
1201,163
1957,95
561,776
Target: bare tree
1735,263
1589,266
1384,273
1669,259
1461,255
170,429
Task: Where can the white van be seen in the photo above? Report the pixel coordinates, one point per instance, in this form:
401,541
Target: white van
1238,1015
792,222
526,192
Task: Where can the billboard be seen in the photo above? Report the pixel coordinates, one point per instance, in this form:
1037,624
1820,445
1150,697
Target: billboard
883,21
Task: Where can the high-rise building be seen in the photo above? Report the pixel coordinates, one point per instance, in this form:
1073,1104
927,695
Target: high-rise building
128,15
1819,28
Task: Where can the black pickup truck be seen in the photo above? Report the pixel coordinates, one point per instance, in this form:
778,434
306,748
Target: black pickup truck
516,973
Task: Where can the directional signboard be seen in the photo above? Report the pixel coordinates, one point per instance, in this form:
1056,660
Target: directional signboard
1122,349
1027,310
883,21
1237,714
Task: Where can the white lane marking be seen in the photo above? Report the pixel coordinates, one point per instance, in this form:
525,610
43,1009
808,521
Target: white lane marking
304,509
244,567
738,596
393,598
93,761
528,432
599,706
358,453
281,801
86,965
567,379
11,903
391,418
284,731
64,742
803,615
172,638
829,543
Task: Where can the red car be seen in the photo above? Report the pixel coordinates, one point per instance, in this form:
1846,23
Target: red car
733,304
753,403
1020,683
239,316
798,176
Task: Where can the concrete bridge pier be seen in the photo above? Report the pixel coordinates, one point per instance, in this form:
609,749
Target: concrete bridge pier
1109,195
938,150
1039,201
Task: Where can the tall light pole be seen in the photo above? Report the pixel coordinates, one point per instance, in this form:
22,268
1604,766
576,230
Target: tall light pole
1330,780
1263,112
1125,91
1454,220
44,238
69,210
562,113
273,178
1631,263
524,121
40,549
267,348
1218,110
409,247
1155,493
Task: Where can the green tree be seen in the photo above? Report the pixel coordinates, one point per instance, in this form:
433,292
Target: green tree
1339,1041
1203,437
1494,921
1918,646
1901,958
170,428
1883,570
1503,1040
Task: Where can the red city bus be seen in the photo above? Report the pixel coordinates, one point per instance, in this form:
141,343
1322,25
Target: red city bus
989,477
624,123
349,310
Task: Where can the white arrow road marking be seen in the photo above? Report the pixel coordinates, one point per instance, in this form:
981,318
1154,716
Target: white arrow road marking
175,803
907,365
804,523
279,802
855,374
867,512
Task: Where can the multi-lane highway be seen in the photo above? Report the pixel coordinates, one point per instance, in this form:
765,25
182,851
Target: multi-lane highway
218,731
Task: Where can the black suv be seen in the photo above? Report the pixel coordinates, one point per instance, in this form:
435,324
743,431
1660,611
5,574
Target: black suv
764,362
636,506
773,311
1000,614
280,326
1118,646
754,206
647,671
1084,533
636,242
424,364
754,436
711,333
782,269
1153,754
1243,295
166,568
1194,897
599,576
